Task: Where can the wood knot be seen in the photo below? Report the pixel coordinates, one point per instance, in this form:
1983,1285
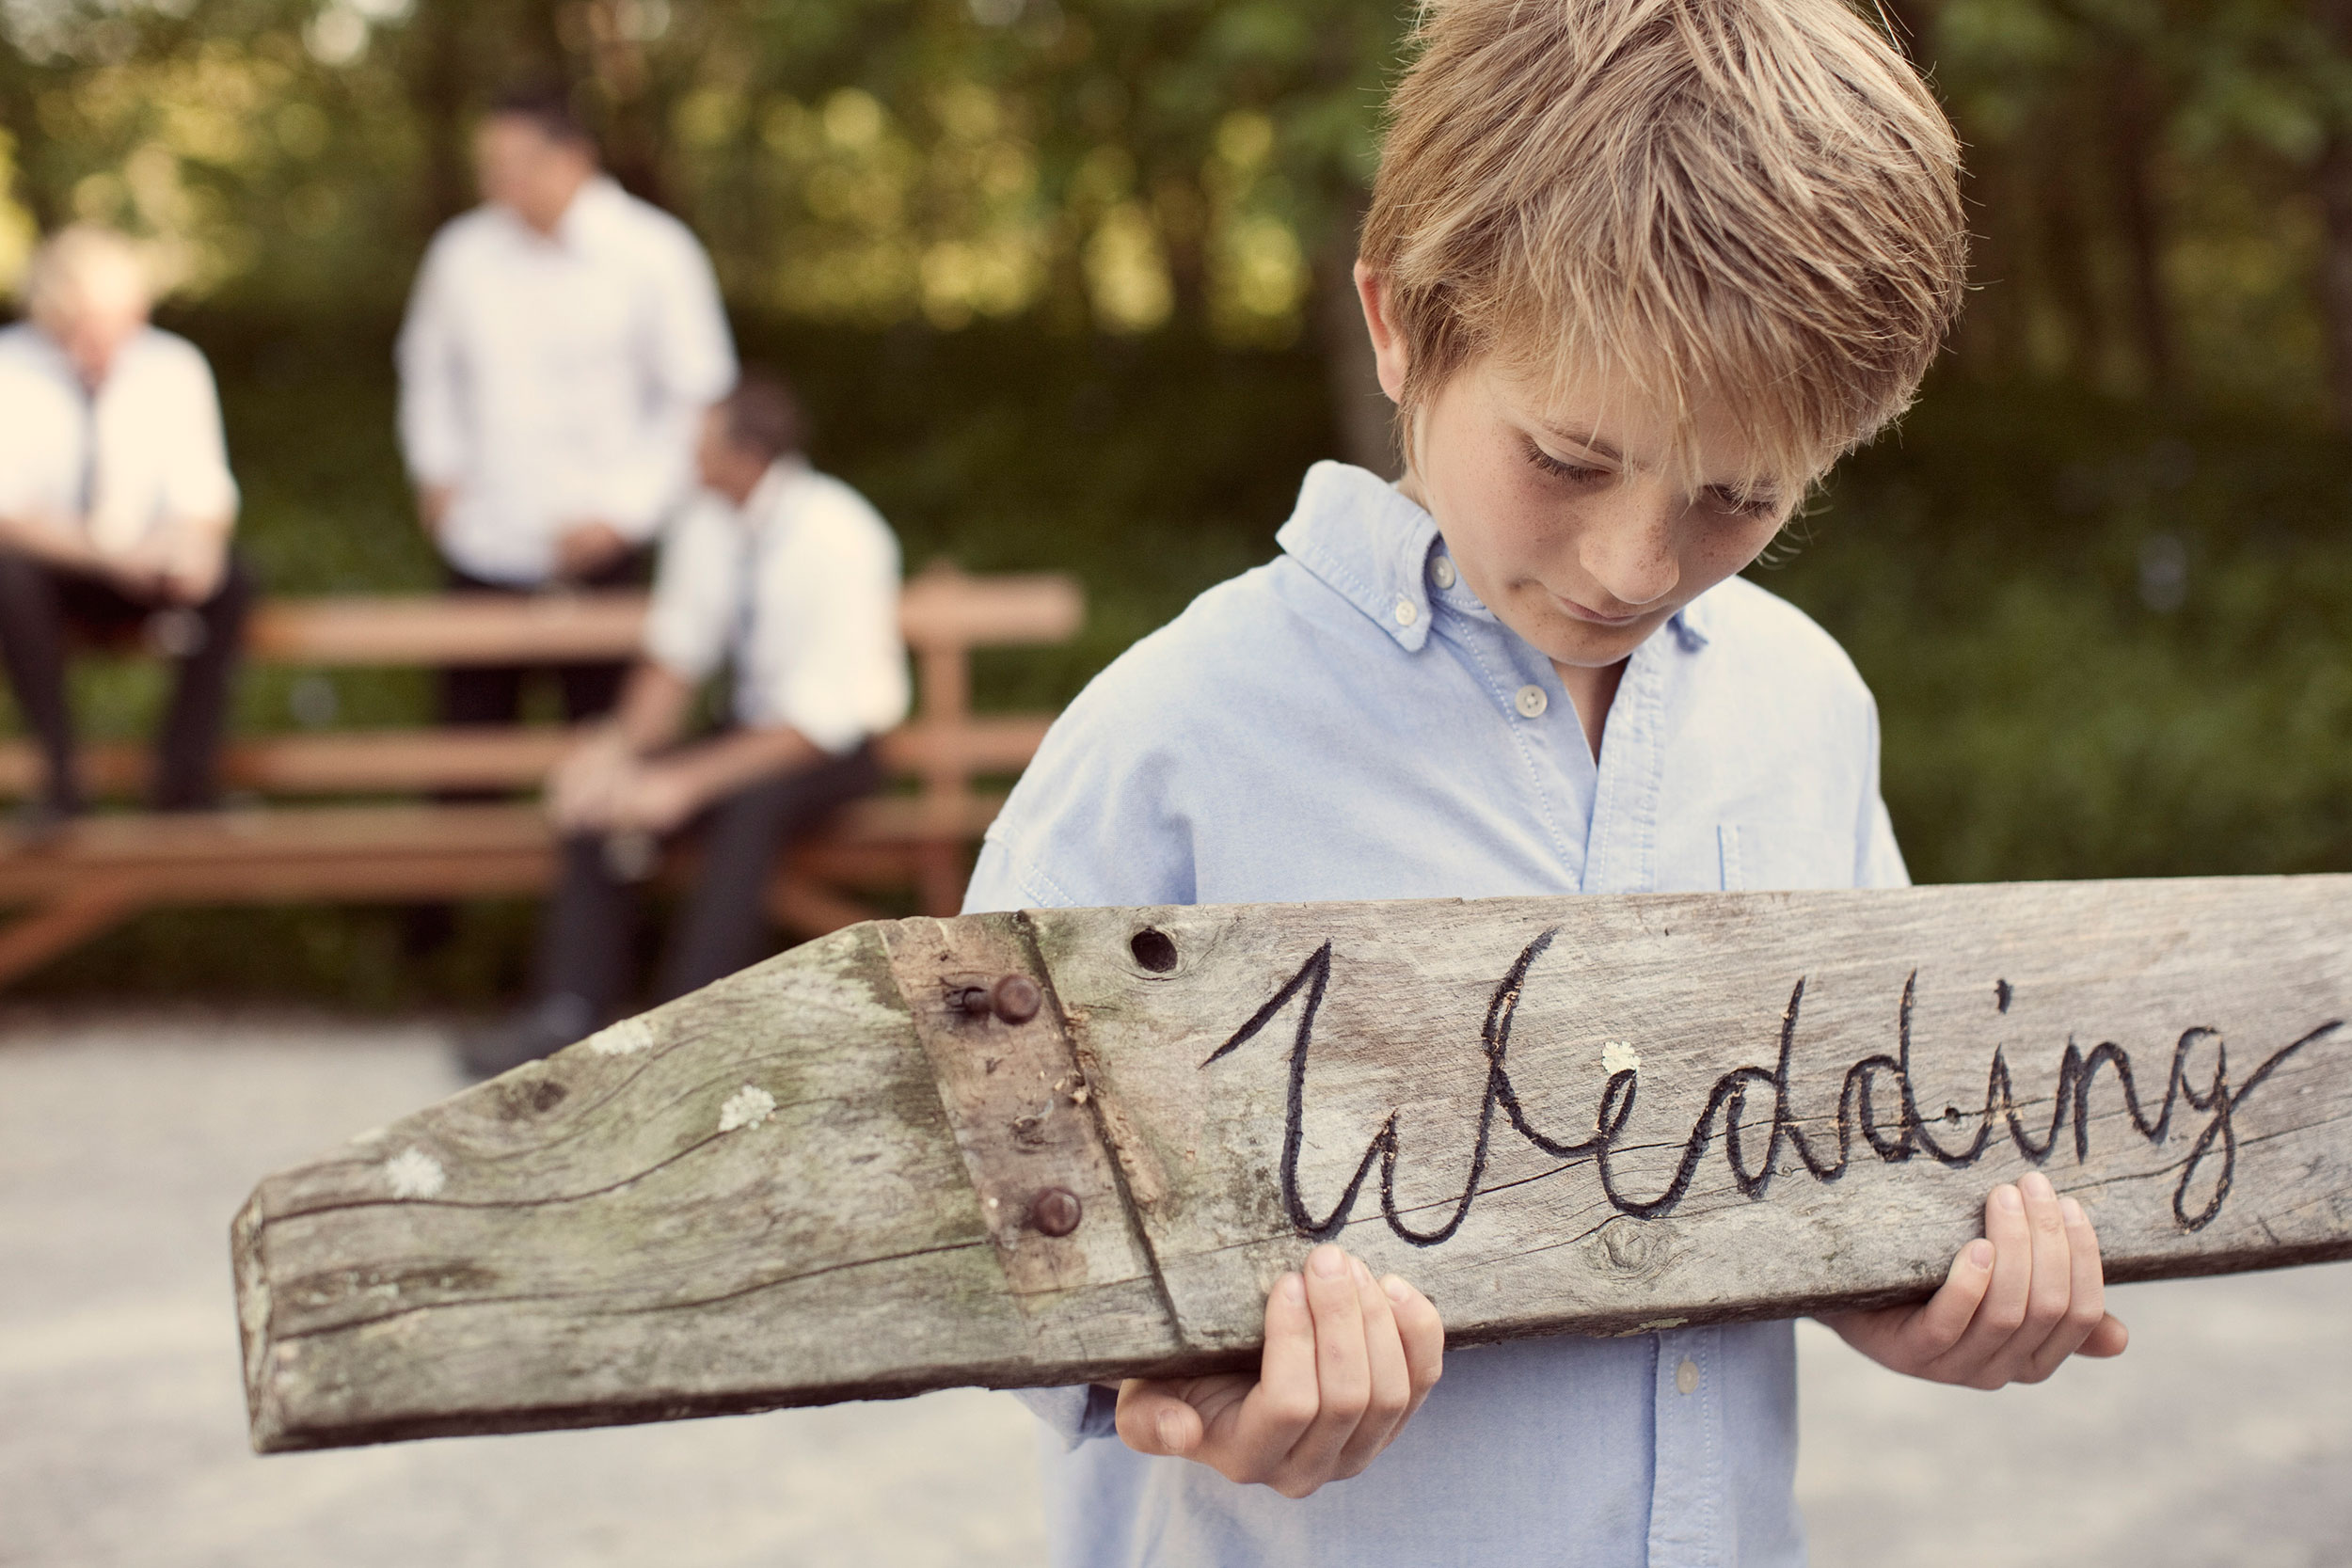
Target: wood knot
1629,1246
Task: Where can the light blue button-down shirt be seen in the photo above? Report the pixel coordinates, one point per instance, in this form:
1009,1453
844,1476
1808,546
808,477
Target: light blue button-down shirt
1349,722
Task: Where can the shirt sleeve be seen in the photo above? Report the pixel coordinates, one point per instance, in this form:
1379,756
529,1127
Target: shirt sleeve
1879,860
198,486
689,364
686,625
432,424
827,658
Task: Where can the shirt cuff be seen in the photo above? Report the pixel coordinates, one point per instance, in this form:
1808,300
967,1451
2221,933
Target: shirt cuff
1073,1414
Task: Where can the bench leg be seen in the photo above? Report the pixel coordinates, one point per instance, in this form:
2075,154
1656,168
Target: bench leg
810,909
940,875
62,924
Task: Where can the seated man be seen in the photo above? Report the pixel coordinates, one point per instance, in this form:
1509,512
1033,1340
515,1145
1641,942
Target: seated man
789,576
116,506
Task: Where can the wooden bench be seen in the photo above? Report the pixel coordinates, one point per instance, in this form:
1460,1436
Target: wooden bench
106,867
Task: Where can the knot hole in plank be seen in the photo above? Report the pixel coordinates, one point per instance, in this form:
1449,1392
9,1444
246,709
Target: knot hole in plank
1154,949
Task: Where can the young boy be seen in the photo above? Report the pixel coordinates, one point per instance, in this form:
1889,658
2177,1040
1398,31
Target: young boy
1636,272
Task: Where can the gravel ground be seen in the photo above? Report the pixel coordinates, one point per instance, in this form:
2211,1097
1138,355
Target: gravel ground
2224,1437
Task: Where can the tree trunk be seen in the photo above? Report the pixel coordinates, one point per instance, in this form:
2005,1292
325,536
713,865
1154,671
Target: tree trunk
442,91
2134,115
1361,411
2332,177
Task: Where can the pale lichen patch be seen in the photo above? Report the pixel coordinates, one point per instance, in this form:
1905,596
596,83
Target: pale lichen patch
748,1106
413,1173
624,1039
1619,1057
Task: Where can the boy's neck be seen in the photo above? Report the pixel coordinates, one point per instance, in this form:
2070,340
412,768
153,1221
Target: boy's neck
1591,689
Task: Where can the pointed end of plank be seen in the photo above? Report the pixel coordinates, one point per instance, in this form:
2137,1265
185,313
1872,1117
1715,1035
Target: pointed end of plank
264,1422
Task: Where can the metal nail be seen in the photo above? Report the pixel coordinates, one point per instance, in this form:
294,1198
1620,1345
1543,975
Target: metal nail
1017,999
1056,1211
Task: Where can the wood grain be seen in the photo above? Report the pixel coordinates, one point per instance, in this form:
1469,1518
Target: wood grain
938,608
1585,1115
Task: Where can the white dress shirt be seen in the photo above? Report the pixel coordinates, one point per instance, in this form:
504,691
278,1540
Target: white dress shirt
798,590
554,380
142,454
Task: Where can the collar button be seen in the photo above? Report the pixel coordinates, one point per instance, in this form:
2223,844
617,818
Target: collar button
1441,572
1406,613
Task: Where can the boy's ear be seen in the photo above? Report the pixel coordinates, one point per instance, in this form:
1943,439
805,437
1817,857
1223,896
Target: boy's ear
1388,350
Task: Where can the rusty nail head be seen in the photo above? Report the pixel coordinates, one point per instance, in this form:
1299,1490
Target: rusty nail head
1056,1211
1017,1000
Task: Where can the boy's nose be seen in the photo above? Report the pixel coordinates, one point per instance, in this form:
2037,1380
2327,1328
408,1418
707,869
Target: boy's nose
1630,551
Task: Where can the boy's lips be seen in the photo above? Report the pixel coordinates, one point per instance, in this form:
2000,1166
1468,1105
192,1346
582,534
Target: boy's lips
1585,612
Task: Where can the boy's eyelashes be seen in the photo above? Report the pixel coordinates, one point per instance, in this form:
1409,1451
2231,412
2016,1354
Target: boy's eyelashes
1562,468
1722,497
1751,504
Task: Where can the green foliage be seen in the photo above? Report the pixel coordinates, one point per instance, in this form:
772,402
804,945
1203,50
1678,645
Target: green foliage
1045,269
2106,642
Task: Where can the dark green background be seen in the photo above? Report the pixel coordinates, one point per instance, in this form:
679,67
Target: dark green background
1985,564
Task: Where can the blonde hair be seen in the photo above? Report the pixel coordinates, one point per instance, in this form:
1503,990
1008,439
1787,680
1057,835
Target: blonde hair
83,265
1752,205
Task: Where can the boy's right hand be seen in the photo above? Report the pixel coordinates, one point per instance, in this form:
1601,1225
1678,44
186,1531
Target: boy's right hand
1346,1363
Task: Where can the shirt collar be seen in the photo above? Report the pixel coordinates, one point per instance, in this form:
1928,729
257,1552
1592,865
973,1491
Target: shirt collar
1369,543
766,502
591,210
47,356
1355,531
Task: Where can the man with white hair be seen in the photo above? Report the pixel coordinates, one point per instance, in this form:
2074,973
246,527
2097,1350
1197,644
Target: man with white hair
115,508
561,344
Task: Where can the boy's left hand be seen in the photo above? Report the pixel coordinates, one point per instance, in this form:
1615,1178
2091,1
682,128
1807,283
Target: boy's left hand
2016,1304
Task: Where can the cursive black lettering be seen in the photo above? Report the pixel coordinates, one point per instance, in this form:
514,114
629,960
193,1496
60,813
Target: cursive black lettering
1875,1083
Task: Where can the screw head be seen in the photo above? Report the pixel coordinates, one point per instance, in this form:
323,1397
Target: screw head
1016,999
1056,1211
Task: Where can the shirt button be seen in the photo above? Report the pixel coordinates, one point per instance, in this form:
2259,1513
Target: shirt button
1687,1376
1441,572
1405,612
1531,701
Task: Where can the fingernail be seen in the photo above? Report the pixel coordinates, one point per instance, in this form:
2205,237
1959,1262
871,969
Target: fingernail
1327,1261
1356,1267
2072,1210
2039,1186
1171,1430
1981,1254
1398,1290
2006,1196
1293,1290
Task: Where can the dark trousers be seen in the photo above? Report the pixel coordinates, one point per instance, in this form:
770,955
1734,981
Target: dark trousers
493,694
585,940
40,604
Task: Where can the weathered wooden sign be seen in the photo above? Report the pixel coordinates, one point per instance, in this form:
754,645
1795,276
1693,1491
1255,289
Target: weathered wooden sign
1072,1146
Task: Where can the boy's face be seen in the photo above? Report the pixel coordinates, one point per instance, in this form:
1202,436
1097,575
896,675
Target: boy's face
1566,515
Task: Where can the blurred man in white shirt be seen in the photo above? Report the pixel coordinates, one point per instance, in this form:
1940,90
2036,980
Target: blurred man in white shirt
561,344
116,510
790,578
